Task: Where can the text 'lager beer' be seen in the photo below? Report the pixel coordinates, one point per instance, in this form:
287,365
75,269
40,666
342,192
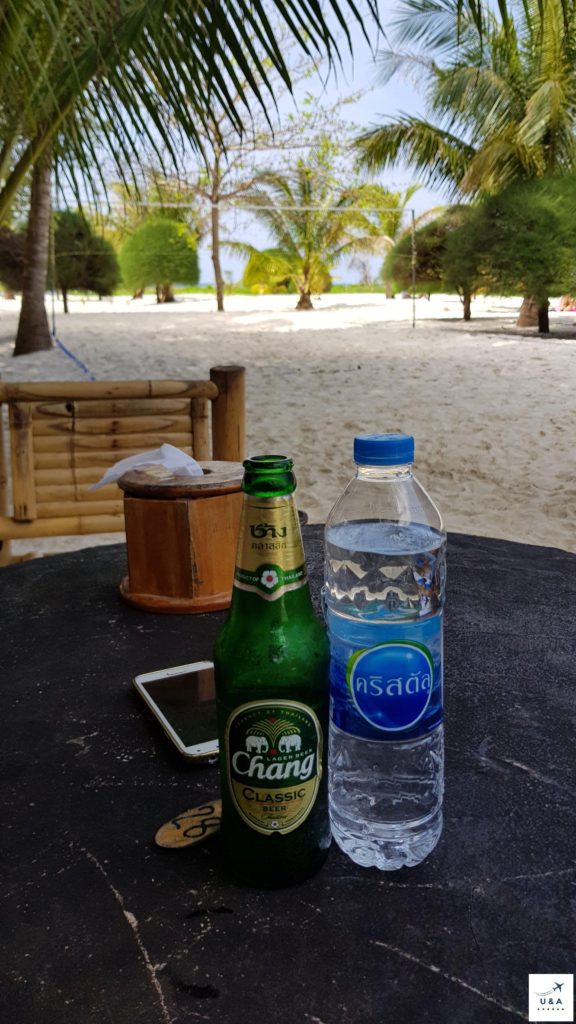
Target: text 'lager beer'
271,664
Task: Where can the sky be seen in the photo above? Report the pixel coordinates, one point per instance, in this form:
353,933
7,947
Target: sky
357,74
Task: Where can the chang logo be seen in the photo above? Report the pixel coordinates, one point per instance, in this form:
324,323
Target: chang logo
261,530
391,684
273,753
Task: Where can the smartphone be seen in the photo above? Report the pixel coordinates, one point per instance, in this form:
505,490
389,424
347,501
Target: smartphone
183,701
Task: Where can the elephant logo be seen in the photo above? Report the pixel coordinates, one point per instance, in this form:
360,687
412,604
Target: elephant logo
273,736
291,742
256,743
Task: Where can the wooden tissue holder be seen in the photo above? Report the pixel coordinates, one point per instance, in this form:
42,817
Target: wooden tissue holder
181,537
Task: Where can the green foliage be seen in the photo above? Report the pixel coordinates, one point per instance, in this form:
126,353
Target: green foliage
462,270
158,195
314,220
501,93
103,267
524,239
160,252
431,242
272,270
11,258
102,74
83,259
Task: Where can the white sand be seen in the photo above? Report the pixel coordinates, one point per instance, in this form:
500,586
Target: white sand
492,410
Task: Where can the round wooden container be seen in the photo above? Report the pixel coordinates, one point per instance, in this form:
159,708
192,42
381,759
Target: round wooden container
181,536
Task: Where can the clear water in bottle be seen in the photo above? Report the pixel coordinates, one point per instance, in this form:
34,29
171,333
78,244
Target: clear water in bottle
384,595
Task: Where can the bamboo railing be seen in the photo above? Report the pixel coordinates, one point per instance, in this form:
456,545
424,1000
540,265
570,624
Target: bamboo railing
63,435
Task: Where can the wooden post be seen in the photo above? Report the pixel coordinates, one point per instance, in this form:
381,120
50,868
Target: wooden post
200,429
5,554
22,444
228,413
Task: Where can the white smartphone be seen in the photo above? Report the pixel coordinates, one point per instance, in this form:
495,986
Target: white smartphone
183,701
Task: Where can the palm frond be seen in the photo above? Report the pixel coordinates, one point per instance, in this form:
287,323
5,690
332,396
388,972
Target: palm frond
500,162
440,157
187,57
501,90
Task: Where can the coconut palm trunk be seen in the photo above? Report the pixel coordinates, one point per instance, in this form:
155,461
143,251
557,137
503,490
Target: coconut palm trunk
33,333
305,289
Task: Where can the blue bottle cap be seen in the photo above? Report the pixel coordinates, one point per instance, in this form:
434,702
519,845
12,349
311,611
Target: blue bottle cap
383,449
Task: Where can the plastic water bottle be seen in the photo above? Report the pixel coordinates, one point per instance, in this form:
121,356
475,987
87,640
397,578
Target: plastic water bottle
384,595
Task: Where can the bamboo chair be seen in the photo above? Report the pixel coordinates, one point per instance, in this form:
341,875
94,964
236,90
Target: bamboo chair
63,435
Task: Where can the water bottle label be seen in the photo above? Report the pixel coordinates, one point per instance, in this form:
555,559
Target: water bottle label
391,685
390,690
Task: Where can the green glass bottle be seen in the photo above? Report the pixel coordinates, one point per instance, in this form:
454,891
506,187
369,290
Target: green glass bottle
271,668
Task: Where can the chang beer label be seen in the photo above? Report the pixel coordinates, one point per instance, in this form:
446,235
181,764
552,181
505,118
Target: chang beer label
270,556
391,685
274,759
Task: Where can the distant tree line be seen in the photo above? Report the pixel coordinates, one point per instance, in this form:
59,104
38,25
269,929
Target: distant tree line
521,241
158,253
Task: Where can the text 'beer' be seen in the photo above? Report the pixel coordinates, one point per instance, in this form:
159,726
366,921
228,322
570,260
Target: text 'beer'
271,662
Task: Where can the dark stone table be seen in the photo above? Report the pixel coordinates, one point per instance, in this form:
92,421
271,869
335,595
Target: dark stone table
99,925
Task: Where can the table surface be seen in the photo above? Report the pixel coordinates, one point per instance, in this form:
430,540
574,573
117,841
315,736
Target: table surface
101,925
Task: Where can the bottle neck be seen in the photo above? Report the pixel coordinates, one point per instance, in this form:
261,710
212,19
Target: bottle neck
270,564
390,473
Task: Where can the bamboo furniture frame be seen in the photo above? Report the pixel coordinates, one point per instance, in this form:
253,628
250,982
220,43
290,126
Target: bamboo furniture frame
65,434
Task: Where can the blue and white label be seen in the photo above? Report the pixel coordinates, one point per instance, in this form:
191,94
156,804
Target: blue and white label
391,684
385,679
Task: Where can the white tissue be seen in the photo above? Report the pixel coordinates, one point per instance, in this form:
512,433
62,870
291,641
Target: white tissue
172,458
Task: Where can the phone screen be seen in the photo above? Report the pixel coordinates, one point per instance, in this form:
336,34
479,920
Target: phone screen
187,700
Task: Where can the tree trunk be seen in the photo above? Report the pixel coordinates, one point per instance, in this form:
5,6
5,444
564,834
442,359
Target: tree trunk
467,304
164,293
218,278
305,301
543,318
33,333
65,299
528,315
388,292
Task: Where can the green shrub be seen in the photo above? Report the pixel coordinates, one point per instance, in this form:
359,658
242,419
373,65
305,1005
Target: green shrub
84,260
160,252
11,259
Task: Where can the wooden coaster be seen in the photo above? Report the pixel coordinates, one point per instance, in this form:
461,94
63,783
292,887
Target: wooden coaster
190,827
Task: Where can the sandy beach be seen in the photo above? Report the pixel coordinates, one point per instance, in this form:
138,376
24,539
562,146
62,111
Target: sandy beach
492,409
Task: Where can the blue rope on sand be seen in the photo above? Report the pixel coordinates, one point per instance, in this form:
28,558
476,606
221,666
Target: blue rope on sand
60,344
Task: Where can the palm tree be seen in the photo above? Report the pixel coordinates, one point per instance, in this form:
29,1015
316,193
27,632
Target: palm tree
502,97
386,223
313,221
33,334
86,76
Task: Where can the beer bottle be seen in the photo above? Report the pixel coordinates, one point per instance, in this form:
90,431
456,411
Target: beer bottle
271,670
